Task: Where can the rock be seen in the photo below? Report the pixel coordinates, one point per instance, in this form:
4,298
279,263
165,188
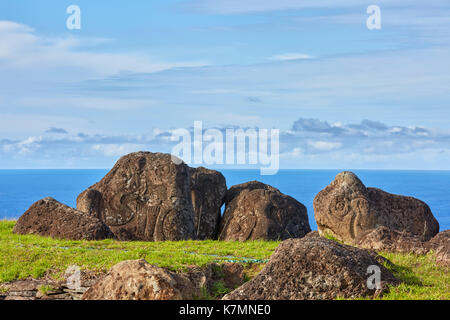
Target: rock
229,275
441,239
313,234
346,209
256,211
146,196
233,274
24,289
208,188
314,268
138,280
48,217
440,244
384,239
443,255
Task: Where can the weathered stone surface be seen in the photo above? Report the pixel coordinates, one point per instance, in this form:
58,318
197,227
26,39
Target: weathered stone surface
208,188
313,234
32,289
313,268
347,209
48,217
146,196
441,239
24,289
255,211
440,244
138,280
233,274
442,254
230,275
384,239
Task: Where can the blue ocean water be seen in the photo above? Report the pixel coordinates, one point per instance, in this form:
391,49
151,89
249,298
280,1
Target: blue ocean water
21,188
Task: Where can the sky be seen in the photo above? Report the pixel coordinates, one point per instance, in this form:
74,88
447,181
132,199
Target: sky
342,96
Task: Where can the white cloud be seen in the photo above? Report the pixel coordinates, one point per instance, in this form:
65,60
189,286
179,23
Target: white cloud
114,150
324,145
22,48
252,6
290,56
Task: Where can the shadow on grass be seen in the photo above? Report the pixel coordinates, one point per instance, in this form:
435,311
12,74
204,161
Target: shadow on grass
404,274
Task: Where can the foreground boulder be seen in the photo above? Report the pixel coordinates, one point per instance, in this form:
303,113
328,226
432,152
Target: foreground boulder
50,218
314,268
256,211
346,209
208,188
139,280
146,196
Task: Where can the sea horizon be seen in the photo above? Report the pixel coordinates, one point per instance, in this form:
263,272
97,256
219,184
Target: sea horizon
20,188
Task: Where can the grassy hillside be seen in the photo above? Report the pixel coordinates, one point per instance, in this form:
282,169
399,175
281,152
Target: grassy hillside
34,256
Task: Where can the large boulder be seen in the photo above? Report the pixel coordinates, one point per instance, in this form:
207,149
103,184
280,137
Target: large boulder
257,211
208,188
346,208
315,268
48,217
139,280
146,196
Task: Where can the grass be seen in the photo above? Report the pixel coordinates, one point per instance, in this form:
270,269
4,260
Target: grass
23,256
422,278
46,289
37,257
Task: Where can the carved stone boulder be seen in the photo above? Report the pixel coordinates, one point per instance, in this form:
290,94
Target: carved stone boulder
146,196
315,268
139,280
346,209
256,211
50,218
208,188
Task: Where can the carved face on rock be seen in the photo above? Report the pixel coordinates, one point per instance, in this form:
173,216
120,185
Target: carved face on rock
342,209
346,209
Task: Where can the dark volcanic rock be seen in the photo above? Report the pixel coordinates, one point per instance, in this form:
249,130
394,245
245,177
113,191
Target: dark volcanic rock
146,196
347,209
314,268
48,217
208,188
255,211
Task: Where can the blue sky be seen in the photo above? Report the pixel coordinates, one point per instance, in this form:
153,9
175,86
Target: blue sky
343,96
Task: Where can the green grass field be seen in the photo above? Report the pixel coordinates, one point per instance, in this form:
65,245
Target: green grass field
35,256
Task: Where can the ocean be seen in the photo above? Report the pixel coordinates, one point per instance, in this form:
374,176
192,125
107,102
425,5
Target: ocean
19,189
